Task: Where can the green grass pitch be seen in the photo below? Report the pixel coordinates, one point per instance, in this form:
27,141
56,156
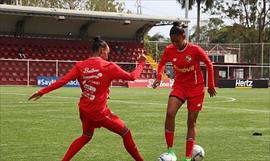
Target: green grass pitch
43,130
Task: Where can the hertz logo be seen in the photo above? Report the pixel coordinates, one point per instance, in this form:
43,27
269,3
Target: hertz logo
184,70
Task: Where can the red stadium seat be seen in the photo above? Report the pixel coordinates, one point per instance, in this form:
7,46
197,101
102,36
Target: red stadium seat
53,49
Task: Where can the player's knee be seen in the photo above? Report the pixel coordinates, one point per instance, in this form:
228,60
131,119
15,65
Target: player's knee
87,136
124,132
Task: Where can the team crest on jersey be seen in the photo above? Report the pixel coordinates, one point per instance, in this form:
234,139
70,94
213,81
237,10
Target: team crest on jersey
188,58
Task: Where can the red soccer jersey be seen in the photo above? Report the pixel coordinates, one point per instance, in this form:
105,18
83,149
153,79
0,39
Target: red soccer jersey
95,76
186,65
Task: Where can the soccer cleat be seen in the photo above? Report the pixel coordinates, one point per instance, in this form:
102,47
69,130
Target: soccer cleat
171,154
170,151
187,159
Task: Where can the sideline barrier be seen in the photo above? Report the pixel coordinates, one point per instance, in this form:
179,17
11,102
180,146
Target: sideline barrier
147,83
43,81
240,83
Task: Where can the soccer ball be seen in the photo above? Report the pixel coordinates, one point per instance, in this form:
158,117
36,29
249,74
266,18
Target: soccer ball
167,157
198,153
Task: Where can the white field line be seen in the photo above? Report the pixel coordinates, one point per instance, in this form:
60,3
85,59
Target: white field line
226,99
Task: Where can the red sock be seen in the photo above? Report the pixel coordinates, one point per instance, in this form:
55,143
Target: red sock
189,147
169,136
131,147
76,146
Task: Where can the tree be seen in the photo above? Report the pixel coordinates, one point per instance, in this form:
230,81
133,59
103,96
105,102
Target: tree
105,5
217,32
156,37
153,45
93,5
208,4
252,15
208,31
7,1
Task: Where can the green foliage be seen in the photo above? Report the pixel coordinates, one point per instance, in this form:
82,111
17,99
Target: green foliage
232,34
93,5
153,43
206,3
7,1
251,15
105,5
156,37
251,22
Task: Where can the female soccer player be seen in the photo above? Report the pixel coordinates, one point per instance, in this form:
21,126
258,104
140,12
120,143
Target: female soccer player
95,75
188,84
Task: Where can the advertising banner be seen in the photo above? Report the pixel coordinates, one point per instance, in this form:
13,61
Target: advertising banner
240,83
43,81
147,83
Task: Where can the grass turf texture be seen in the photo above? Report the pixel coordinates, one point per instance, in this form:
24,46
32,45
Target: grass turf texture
43,130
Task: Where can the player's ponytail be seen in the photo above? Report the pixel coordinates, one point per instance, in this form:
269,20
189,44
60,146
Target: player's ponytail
98,43
97,38
178,28
176,23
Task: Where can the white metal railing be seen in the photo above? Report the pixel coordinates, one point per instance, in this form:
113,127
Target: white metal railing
28,62
254,71
256,53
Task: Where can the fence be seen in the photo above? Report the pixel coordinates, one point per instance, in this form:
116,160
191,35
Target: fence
249,53
25,72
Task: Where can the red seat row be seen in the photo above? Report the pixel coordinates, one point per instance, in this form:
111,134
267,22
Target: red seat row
39,51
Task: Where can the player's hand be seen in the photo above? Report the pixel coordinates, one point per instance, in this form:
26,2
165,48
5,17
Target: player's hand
35,96
212,92
156,83
142,58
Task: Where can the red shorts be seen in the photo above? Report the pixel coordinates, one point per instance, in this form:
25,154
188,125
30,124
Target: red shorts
194,96
111,122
